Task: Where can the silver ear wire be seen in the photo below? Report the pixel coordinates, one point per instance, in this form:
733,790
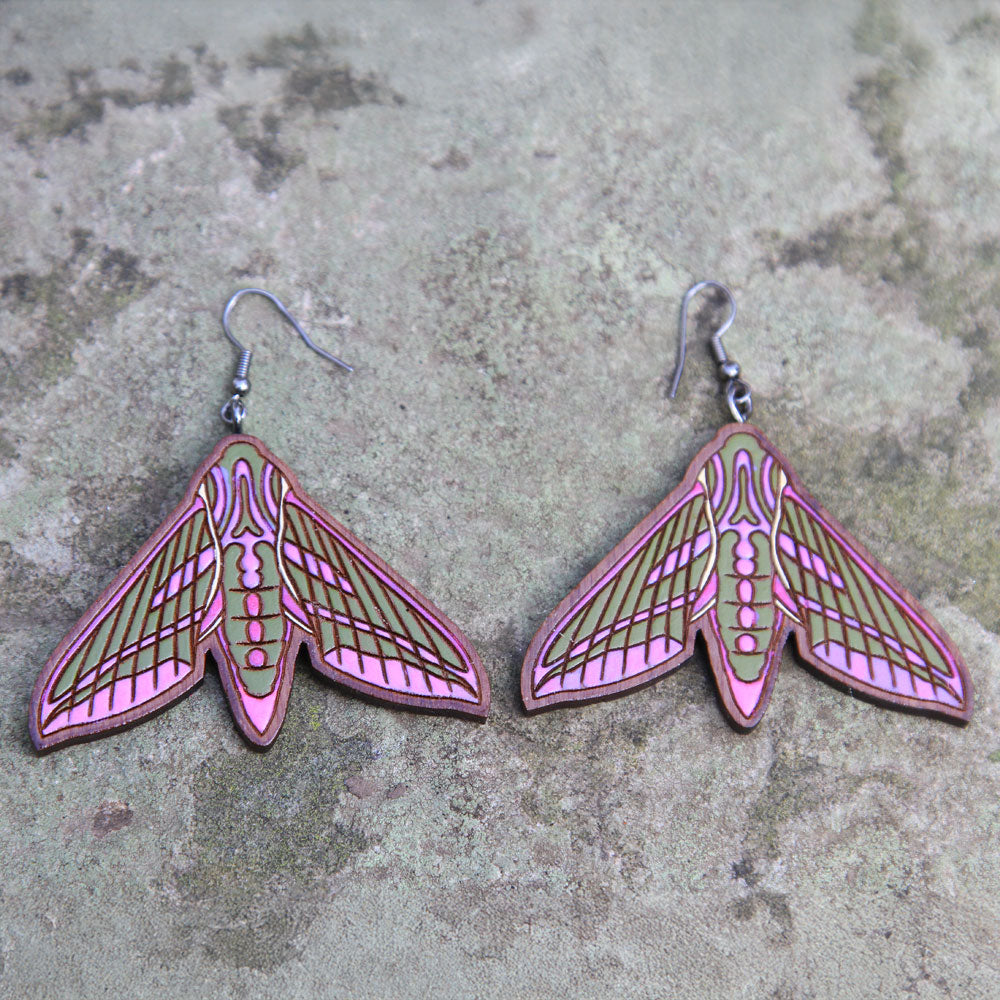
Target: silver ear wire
737,391
234,411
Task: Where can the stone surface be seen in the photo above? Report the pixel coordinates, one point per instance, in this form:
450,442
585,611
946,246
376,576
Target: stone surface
492,209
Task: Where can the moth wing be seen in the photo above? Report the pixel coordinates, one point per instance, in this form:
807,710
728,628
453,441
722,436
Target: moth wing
368,628
137,649
630,620
855,624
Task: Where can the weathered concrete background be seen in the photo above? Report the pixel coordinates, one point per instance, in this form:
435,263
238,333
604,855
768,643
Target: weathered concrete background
492,209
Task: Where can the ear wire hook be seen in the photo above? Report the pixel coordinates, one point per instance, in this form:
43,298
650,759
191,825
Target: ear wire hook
235,411
737,391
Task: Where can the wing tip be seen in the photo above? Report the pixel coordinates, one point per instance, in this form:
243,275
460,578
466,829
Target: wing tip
533,704
582,696
957,714
561,698
477,712
960,715
43,744
66,735
63,737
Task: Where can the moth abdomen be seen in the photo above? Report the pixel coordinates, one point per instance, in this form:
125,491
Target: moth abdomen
745,611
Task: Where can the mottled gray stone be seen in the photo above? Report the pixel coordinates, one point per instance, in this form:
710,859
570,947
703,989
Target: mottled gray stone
492,209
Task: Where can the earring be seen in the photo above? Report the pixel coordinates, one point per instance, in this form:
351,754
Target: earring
250,568
741,553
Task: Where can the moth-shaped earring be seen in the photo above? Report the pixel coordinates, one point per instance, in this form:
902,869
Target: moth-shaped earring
741,553
249,568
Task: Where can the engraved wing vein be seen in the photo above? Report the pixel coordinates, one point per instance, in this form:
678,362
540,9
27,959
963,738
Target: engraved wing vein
646,597
357,610
855,619
148,624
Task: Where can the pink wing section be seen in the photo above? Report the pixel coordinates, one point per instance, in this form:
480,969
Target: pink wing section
135,651
372,630
857,624
629,621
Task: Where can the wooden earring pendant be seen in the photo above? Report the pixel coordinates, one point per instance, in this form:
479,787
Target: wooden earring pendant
249,568
741,553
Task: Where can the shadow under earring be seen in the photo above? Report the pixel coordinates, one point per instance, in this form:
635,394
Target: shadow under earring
741,553
250,568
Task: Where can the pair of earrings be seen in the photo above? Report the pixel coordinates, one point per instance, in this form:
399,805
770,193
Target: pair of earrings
249,568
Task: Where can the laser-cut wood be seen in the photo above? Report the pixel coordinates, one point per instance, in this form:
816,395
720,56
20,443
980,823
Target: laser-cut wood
741,553
250,568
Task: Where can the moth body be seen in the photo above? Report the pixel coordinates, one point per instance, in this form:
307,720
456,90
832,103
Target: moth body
742,513
244,494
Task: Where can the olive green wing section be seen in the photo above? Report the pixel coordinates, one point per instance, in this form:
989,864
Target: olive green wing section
856,624
629,621
370,629
135,650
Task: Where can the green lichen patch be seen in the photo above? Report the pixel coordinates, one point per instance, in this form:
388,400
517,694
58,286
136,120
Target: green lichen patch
212,67
877,26
260,137
914,500
581,802
71,116
280,51
878,244
334,88
454,159
888,241
800,788
794,786
268,832
775,905
76,296
964,303
983,27
131,507
19,76
899,241
957,293
313,78
316,77
9,450
488,306
876,99
881,101
172,84
948,535
168,84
